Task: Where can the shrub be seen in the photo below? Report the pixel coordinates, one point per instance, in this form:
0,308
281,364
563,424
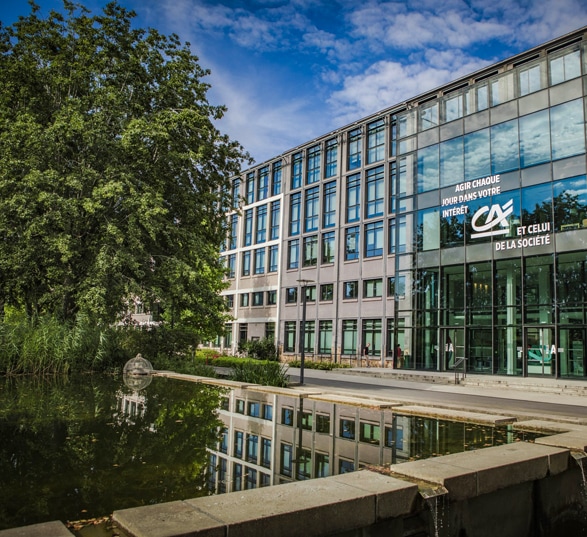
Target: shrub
260,349
263,373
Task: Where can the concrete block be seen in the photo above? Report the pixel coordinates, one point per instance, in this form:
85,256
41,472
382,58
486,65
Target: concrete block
573,440
172,519
309,508
394,497
46,529
457,415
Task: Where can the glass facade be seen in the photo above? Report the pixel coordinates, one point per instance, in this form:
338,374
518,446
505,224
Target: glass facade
450,227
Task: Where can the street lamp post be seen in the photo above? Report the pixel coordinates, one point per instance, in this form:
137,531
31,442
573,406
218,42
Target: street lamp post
302,347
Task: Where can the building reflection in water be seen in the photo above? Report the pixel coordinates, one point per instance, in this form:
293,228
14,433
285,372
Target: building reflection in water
270,438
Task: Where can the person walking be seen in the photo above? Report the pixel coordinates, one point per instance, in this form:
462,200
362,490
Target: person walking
366,353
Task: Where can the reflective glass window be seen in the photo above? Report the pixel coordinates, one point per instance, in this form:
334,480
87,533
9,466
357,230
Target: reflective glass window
372,288
275,219
352,243
353,198
564,65
246,263
375,192
567,125
374,239
428,115
505,147
349,336
530,78
250,187
331,157
261,226
312,209
375,141
260,261
329,205
295,210
263,183
325,337
248,227
326,292
289,337
536,204
328,247
310,254
273,258
453,107
428,231
313,165
293,254
276,181
477,154
350,290
534,139
354,149
502,89
428,168
296,171
570,203
236,188
452,165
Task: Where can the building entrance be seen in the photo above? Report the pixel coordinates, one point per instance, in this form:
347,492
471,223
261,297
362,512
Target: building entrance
453,347
540,351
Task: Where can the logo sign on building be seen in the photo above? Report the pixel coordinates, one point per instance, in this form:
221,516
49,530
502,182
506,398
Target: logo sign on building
493,220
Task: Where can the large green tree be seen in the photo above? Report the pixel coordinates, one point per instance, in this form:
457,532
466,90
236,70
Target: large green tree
113,176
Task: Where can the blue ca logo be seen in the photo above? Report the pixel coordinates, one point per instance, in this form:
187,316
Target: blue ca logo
496,218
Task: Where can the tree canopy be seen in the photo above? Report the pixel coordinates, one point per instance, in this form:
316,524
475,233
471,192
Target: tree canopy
113,176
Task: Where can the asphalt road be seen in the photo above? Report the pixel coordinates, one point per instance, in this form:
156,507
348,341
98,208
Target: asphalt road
515,402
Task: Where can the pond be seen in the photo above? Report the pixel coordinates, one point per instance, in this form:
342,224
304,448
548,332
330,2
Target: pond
78,449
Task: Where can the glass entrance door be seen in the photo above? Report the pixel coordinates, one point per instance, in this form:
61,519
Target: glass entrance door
540,351
453,347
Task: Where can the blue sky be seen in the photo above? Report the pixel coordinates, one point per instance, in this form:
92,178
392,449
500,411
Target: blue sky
290,71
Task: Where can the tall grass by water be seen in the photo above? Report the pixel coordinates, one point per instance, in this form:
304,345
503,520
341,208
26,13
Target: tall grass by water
47,346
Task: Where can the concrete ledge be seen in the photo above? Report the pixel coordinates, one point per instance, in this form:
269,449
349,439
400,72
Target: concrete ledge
573,440
309,508
473,473
354,401
46,529
457,415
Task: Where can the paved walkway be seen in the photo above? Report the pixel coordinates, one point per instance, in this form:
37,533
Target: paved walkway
557,399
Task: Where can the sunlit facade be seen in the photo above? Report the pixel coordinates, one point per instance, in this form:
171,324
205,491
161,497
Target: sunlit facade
452,225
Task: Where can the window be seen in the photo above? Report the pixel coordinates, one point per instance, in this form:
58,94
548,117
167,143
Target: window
239,442
477,154
310,254
325,337
369,433
239,406
248,227
236,193
530,78
310,336
258,298
397,244
428,115
502,89
354,150
261,235
263,183
250,188
233,241
223,447
313,170
347,428
296,171
452,163
306,420
375,141
326,292
345,466
331,157
229,301
349,337
237,478
293,254
267,412
260,261
244,300
252,448
322,465
295,207
534,139
287,416
567,129
254,409
275,219
372,288
396,286
428,168
453,107
228,334
276,181
273,258
328,247
291,295
375,192
504,147
246,263
232,265
264,480
351,251
310,293
353,198
312,208
271,298
323,423
286,456
243,330
394,436
266,452
289,336
270,330
564,65
304,469
329,205
350,290
374,239
372,335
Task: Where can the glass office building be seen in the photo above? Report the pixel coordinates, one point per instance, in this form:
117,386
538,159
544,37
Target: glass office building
452,225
